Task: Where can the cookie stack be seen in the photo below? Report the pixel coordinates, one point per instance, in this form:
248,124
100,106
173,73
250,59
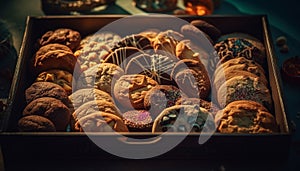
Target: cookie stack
48,106
241,86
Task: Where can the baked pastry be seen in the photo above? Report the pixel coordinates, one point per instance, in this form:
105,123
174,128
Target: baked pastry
212,31
93,49
138,120
161,97
95,106
53,59
240,47
184,51
232,72
101,76
51,108
135,40
82,96
156,66
35,123
60,77
100,122
244,88
209,106
184,118
130,90
165,42
121,56
65,36
245,116
192,78
46,89
52,47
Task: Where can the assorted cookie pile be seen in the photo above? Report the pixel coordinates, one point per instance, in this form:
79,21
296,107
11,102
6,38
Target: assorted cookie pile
152,81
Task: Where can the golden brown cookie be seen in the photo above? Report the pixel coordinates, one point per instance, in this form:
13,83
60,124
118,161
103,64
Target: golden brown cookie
82,96
51,108
95,106
130,90
184,118
100,122
244,88
65,36
245,116
101,76
192,78
60,77
35,123
52,47
53,59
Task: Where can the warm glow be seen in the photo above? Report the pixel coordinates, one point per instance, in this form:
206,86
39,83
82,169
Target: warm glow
197,9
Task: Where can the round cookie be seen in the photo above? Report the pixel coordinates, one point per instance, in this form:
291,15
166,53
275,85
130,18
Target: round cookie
209,106
194,34
68,37
122,55
101,76
192,78
135,40
130,90
56,59
245,116
230,73
184,118
82,96
241,63
51,108
35,123
51,47
156,66
46,89
138,120
60,77
100,122
244,88
93,49
239,47
165,42
207,28
161,97
95,106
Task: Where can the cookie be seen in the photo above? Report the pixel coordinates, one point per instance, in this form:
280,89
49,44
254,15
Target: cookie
65,36
135,40
51,47
232,72
122,55
60,77
46,89
35,123
161,97
156,66
82,96
245,116
194,34
241,63
192,78
95,106
55,59
184,118
212,31
101,76
209,106
93,49
51,108
130,90
239,47
166,42
138,120
100,122
244,88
